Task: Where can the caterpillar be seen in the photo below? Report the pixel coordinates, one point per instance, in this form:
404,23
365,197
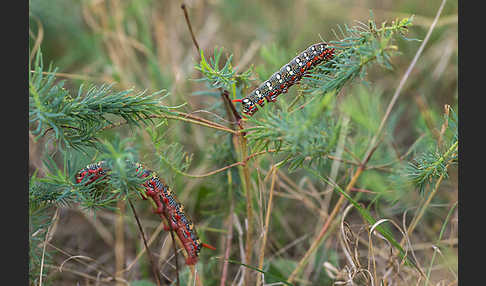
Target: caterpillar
165,201
288,75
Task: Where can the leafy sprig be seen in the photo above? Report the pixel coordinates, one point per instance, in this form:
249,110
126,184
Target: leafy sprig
305,135
433,163
225,77
58,186
359,48
77,120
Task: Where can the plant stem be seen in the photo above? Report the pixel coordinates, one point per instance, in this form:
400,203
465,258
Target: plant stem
267,223
249,207
241,145
151,259
186,15
419,215
224,271
439,240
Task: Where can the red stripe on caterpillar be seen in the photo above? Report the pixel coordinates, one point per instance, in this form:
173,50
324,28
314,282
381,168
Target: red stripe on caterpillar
166,204
288,75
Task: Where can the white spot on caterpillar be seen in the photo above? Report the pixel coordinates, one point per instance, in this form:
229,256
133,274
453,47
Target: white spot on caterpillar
288,68
298,61
269,86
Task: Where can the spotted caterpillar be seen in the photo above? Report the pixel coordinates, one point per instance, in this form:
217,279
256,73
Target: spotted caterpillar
287,76
165,201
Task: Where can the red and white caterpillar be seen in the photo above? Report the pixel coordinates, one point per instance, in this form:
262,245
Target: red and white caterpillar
287,76
166,204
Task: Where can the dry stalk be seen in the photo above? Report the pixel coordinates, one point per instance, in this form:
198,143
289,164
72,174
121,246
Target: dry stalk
267,223
120,242
229,237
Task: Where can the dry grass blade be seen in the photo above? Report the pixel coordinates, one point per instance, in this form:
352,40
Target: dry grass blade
99,268
336,163
375,273
89,277
437,248
407,249
74,257
54,220
344,241
273,173
38,38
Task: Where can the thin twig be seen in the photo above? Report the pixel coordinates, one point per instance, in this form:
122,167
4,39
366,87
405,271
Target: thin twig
99,267
209,173
150,241
193,119
230,105
186,15
119,241
175,250
71,76
149,253
107,279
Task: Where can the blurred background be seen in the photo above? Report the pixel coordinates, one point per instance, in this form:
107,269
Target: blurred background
146,45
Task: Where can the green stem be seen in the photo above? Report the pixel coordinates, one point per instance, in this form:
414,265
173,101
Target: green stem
438,241
249,207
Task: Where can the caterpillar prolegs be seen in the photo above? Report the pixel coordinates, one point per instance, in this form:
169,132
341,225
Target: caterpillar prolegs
288,75
165,201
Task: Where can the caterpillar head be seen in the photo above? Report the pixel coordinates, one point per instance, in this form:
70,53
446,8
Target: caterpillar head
192,250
